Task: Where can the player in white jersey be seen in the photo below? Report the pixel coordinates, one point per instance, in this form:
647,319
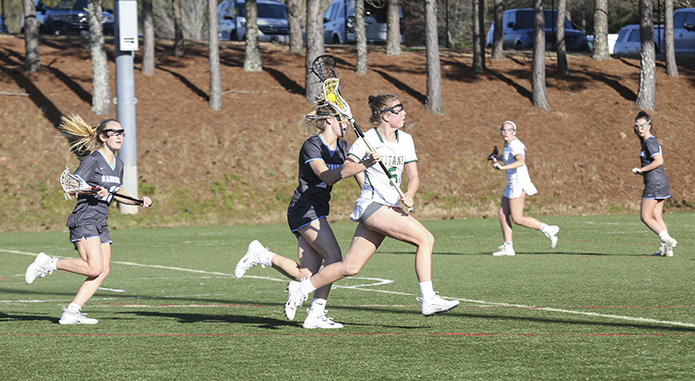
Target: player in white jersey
89,232
377,209
657,188
519,185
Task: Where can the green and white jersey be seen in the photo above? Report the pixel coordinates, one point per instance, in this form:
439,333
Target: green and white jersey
394,155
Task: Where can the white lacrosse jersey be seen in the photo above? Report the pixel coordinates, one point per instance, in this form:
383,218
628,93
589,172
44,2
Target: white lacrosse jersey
377,187
518,179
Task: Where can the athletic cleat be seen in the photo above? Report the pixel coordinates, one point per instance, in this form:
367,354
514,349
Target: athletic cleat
319,320
551,232
504,250
38,269
436,305
295,299
75,318
252,258
662,251
669,244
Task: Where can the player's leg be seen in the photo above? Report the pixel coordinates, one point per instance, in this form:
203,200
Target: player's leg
649,209
91,261
72,314
516,208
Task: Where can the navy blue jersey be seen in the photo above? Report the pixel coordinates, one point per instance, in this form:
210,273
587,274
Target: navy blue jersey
656,184
310,199
96,171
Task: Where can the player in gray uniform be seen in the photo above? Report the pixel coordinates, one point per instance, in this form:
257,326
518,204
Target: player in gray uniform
89,232
321,161
378,211
656,185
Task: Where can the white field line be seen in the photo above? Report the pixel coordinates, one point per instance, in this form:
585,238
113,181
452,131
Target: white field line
549,309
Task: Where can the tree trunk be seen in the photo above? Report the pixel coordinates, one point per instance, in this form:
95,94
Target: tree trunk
601,51
253,54
434,74
647,71
560,38
178,29
360,38
669,48
393,29
540,99
295,23
478,40
101,91
31,38
147,38
314,47
497,42
215,100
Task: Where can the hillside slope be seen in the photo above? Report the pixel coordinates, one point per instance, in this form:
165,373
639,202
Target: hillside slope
238,165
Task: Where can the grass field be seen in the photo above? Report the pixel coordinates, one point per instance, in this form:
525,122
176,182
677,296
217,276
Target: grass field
596,307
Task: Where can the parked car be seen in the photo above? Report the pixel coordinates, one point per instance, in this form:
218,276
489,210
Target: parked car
339,22
684,31
629,43
67,17
518,31
272,21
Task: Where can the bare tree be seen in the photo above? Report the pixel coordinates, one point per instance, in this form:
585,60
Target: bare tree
101,90
314,46
253,53
31,38
178,29
215,100
497,42
647,71
434,72
601,51
360,38
560,38
540,99
669,48
393,29
295,24
147,38
478,36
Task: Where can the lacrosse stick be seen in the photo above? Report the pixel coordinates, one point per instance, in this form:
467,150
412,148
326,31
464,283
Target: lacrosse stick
74,183
331,93
324,67
493,155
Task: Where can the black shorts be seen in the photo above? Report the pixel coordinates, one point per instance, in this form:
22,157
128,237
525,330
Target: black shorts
301,214
87,231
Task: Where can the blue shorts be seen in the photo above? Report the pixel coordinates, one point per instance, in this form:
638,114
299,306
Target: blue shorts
78,233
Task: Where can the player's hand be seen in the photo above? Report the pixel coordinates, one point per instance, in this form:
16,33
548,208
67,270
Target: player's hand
146,202
102,192
371,159
637,171
407,200
497,166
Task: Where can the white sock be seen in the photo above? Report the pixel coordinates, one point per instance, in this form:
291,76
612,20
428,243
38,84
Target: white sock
307,287
664,235
74,308
266,258
318,305
54,264
427,290
543,227
508,243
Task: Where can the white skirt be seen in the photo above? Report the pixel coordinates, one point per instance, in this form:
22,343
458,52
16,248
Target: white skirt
516,186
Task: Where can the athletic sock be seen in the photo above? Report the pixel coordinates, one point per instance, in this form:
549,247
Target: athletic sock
74,308
509,243
266,258
54,263
427,290
664,235
543,227
307,287
318,305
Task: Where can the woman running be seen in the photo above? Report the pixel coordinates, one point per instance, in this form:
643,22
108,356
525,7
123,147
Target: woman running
89,232
321,161
657,188
378,211
519,185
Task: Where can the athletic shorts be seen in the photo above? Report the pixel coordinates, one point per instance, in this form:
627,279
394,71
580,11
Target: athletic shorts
301,214
368,211
515,187
654,193
88,231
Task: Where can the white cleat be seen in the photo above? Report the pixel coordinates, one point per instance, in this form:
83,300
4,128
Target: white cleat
436,305
252,258
504,250
75,318
669,244
319,320
551,232
38,269
295,299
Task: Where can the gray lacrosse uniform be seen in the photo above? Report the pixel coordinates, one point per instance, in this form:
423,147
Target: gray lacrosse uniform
656,184
310,200
88,219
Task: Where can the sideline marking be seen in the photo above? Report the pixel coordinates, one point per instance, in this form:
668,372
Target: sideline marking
549,309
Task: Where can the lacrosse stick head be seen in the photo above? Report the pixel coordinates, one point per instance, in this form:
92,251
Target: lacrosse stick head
323,67
494,154
331,94
72,183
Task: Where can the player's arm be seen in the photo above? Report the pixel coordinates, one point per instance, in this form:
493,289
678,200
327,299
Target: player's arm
413,182
658,161
520,162
146,201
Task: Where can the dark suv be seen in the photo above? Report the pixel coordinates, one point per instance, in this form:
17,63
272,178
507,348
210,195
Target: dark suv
68,17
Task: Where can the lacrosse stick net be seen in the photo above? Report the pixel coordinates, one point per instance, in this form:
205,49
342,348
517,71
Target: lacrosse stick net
72,183
323,67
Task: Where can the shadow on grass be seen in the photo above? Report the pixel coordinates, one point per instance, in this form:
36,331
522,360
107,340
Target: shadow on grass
6,317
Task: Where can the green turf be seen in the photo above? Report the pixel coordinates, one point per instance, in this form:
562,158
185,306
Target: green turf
172,310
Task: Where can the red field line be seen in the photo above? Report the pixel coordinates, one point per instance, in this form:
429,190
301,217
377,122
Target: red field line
483,334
